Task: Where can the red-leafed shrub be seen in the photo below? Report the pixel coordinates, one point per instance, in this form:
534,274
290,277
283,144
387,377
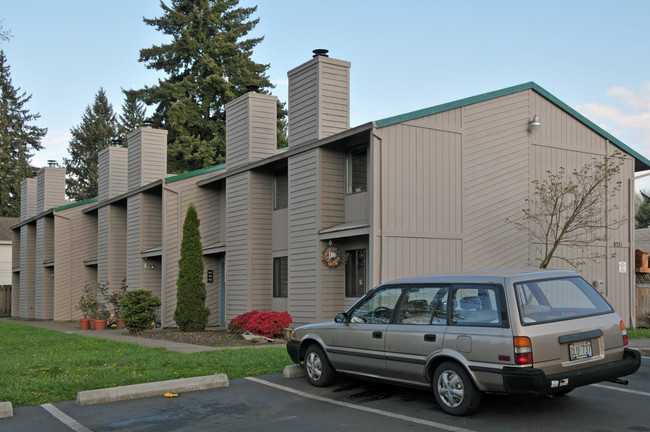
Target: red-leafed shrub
269,324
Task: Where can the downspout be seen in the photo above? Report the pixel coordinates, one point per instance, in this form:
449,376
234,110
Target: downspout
163,258
381,204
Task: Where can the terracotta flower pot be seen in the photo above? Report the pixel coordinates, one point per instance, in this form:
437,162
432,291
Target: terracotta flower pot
92,324
120,323
84,323
100,324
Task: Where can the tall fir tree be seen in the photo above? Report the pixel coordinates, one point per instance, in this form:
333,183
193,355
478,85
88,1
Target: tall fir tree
642,210
133,114
97,130
18,139
191,312
208,64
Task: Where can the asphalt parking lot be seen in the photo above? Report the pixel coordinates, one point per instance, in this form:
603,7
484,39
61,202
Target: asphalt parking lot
271,403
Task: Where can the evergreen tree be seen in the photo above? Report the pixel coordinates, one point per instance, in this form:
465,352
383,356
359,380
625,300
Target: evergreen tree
98,128
18,138
642,213
133,114
191,312
208,63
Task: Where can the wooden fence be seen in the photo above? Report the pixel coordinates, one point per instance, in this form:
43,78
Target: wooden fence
5,299
642,300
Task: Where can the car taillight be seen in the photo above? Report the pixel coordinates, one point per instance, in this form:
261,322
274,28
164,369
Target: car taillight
523,351
623,333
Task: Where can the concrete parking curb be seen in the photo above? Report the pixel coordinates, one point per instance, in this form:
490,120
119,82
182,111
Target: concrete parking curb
293,371
6,410
135,391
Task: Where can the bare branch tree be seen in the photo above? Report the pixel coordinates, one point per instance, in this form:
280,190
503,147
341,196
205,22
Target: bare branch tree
573,209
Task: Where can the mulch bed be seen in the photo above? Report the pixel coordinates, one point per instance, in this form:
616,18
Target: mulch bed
218,338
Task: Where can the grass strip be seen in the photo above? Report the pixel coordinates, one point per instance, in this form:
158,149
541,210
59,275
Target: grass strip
638,333
44,366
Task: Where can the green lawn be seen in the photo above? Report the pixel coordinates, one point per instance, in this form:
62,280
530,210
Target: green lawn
638,333
39,366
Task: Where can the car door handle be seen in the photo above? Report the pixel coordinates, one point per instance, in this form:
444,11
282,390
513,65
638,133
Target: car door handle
429,338
376,335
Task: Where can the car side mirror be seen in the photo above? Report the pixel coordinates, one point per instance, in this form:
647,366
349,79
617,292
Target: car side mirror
341,318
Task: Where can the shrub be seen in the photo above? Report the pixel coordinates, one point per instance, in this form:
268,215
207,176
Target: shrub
191,312
268,324
139,309
88,302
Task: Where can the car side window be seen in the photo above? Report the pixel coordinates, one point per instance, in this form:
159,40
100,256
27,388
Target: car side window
476,305
377,309
424,306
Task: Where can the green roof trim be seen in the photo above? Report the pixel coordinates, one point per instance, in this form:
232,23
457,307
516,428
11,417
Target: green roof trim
75,204
195,173
643,163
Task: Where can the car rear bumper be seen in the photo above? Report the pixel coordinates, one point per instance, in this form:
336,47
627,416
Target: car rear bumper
293,349
535,381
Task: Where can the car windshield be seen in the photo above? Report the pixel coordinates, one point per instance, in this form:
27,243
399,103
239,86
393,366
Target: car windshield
549,300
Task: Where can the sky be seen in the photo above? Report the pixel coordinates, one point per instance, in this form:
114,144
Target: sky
406,55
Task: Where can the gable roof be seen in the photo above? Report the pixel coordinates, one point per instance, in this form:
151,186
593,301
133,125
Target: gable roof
641,162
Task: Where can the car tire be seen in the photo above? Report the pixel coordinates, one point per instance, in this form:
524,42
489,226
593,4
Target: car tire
454,390
319,370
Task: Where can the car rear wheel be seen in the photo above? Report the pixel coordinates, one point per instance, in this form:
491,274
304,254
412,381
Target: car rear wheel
319,370
454,390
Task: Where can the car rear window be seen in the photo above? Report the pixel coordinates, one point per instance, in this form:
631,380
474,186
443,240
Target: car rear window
550,300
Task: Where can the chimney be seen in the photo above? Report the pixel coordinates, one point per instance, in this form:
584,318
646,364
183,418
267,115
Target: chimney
251,128
28,188
112,178
50,187
319,99
147,161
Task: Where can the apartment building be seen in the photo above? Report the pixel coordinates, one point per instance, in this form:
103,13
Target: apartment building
310,228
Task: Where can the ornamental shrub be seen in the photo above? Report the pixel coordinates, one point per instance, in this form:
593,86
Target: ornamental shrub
191,312
139,309
268,324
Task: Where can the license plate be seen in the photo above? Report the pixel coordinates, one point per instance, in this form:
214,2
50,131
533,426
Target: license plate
580,350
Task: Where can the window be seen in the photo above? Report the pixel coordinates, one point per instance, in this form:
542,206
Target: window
280,189
424,306
476,305
280,277
378,309
355,273
357,170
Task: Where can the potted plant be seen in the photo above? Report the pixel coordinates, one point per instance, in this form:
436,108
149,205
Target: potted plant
88,305
114,299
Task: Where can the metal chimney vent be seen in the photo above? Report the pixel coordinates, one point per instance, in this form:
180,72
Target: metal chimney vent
252,88
52,163
320,53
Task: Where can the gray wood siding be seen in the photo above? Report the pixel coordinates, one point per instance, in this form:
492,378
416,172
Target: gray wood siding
319,100
15,275
135,159
303,104
303,236
151,220
39,312
48,239
237,133
332,205
28,198
176,199
117,255
27,270
50,188
280,232
420,173
260,249
496,183
76,235
213,290
134,262
147,156
238,270
112,172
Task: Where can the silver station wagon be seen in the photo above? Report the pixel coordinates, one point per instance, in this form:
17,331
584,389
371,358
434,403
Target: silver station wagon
542,332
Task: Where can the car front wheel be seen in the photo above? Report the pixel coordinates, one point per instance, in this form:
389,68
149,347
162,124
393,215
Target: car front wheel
454,390
319,370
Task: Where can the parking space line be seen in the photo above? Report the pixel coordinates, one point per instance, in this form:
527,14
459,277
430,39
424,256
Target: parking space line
624,390
361,408
65,419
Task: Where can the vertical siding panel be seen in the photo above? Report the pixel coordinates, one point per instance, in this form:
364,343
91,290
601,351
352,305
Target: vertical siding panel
238,243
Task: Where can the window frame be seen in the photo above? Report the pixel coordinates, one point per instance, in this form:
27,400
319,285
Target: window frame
356,293
349,170
277,174
280,289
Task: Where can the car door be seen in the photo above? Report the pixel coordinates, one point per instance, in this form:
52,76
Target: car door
359,345
417,332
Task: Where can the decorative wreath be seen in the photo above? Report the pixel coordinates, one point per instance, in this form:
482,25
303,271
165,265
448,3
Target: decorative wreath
331,256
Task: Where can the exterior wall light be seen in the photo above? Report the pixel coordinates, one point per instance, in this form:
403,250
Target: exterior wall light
534,124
